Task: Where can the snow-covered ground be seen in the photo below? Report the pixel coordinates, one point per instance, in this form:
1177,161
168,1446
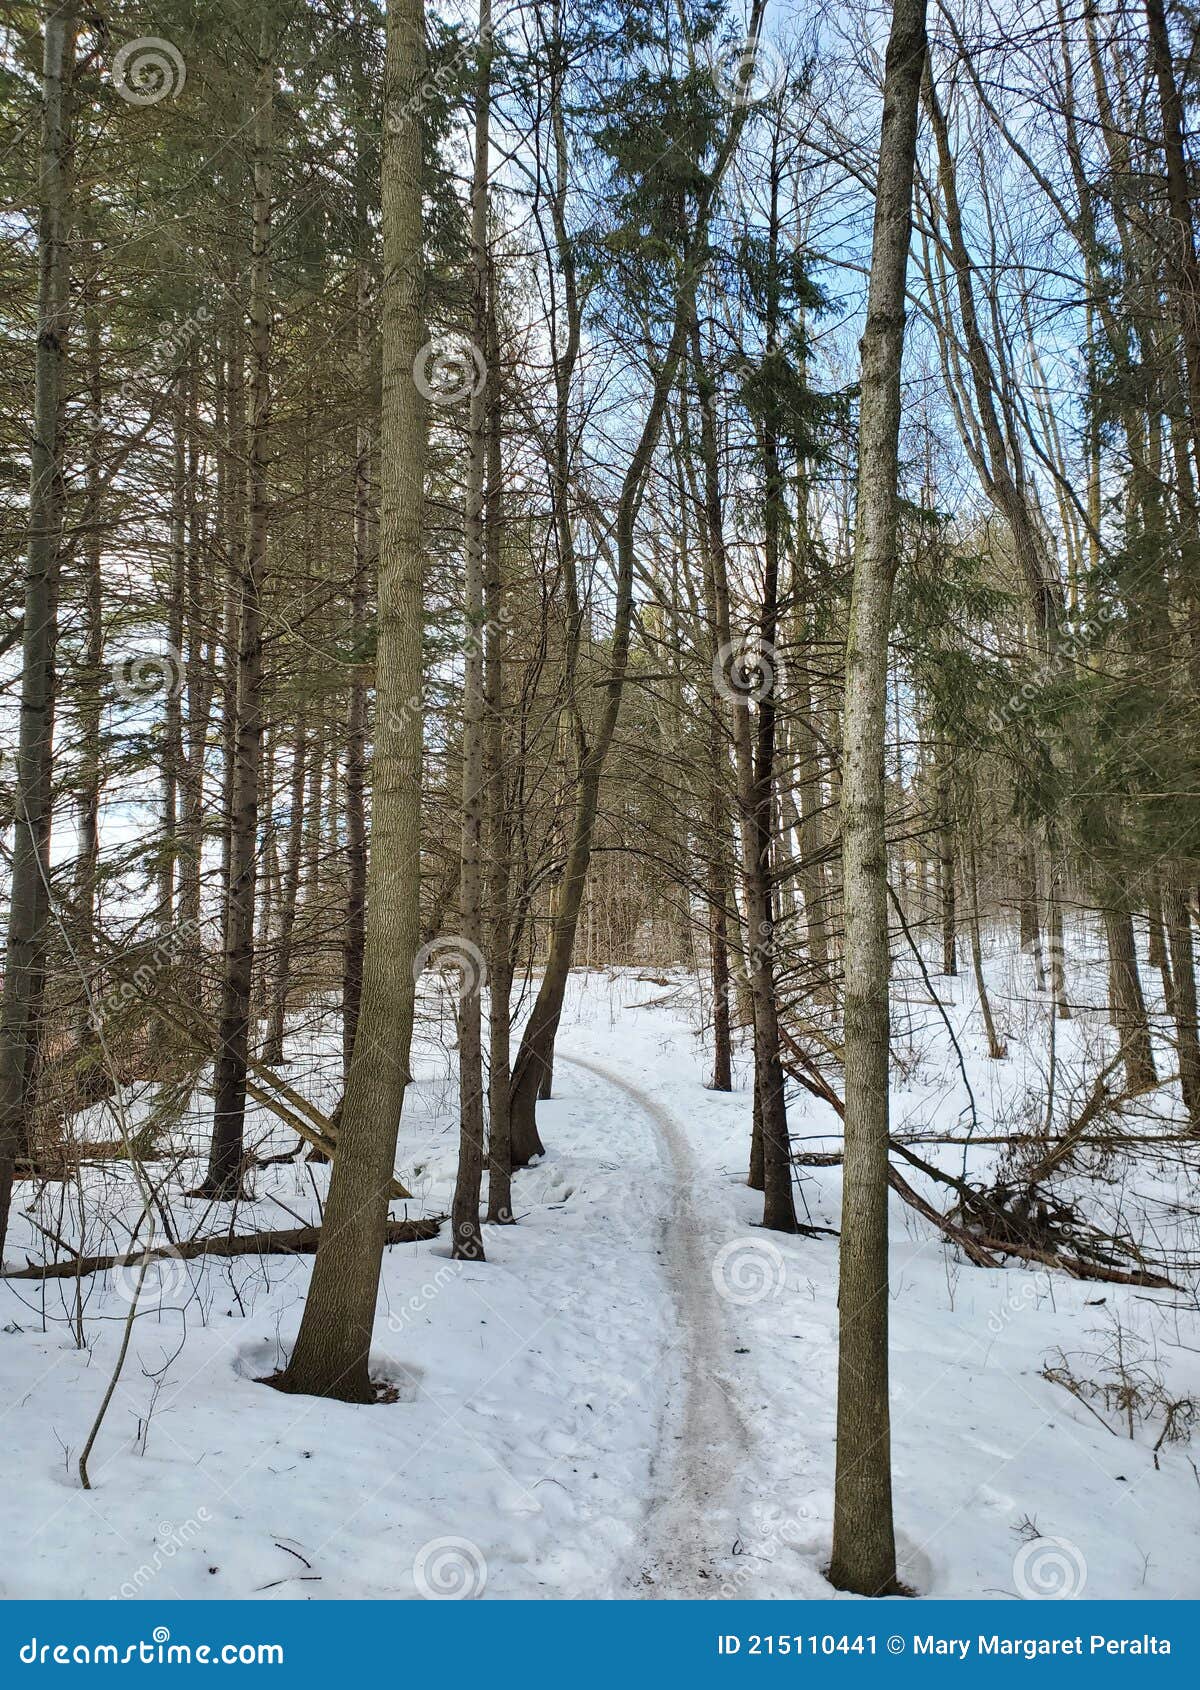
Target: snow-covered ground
635,1394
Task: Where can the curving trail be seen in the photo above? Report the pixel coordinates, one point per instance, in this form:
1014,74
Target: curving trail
691,1523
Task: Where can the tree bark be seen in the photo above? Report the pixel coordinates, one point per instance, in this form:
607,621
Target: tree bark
332,1354
466,1241
223,1180
29,904
864,1553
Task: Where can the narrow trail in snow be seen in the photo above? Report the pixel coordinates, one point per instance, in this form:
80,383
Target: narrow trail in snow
691,1522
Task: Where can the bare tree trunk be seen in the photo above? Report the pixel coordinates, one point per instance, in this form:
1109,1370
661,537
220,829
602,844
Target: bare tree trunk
1127,1003
466,1238
91,706
356,727
332,1354
289,893
996,1048
223,1180
757,967
1183,994
864,1553
498,828
29,906
945,838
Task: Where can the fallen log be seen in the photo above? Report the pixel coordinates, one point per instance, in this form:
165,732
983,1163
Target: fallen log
293,1241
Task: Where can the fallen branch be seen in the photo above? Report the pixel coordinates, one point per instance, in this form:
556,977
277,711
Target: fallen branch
295,1241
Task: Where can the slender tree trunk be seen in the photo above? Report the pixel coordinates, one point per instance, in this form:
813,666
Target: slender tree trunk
229,1076
996,1048
1127,1003
332,1354
466,1238
289,895
29,908
779,1208
864,1553
945,838
497,828
1183,994
91,680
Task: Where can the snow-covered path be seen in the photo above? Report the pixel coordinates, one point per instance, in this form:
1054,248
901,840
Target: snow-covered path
705,1438
632,1397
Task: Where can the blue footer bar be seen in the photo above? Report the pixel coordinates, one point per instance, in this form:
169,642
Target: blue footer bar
534,1644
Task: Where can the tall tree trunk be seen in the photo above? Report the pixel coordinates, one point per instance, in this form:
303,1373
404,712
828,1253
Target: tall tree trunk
498,829
29,904
1125,991
332,1354
996,1048
779,1207
289,894
91,679
945,839
1183,993
466,1238
864,1552
229,1076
